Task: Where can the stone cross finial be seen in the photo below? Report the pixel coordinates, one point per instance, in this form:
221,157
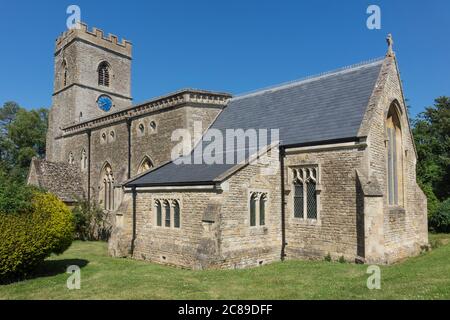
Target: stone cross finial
390,42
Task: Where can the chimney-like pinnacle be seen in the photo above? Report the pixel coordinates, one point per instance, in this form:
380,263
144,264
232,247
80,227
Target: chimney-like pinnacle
390,42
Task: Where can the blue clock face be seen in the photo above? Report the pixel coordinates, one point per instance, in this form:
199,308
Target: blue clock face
104,103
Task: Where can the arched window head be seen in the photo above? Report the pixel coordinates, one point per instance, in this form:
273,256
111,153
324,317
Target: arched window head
103,74
145,165
394,157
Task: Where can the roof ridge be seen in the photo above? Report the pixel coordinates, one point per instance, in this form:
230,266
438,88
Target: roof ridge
309,78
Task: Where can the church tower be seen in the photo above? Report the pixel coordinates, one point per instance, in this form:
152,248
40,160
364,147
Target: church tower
92,78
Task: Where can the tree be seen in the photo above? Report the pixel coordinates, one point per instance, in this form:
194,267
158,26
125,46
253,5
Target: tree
22,136
432,136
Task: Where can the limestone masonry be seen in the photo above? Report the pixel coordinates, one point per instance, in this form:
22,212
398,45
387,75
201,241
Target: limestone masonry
340,181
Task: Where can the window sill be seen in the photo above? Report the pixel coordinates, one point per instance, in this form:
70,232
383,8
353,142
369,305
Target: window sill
396,210
166,228
309,222
258,230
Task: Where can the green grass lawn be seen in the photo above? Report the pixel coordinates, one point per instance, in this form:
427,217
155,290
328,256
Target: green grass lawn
102,277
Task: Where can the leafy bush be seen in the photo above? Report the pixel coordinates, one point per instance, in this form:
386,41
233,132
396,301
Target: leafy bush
432,200
15,197
91,222
27,238
440,220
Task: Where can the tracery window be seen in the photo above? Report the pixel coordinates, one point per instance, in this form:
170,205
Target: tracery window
107,196
146,164
305,192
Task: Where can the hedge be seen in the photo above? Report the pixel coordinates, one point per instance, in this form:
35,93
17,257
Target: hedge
440,220
28,238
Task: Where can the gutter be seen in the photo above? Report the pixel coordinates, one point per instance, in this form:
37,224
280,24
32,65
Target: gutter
89,167
283,213
133,237
129,147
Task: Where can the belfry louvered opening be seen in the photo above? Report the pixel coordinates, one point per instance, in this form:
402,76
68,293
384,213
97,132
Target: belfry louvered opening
103,74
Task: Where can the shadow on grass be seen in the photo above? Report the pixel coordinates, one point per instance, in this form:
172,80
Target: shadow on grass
51,268
48,268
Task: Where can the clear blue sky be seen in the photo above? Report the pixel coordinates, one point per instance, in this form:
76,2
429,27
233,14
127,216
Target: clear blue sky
233,46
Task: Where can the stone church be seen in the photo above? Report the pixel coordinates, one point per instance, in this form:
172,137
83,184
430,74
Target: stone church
339,181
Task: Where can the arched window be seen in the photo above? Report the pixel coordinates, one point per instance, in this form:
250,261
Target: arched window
141,129
71,159
158,213
394,157
107,187
258,202
103,74
166,214
84,160
176,214
152,126
262,210
146,164
112,136
253,200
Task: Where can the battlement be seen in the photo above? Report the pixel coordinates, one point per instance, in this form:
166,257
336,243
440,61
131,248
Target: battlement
96,37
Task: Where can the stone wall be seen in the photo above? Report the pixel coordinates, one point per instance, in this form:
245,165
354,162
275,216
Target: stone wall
243,245
335,231
215,231
109,144
405,226
188,246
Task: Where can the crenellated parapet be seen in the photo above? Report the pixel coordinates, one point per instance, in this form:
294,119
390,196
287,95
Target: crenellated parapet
95,36
176,99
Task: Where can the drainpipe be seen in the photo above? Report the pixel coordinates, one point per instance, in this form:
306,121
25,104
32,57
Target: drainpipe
133,238
89,168
283,213
129,146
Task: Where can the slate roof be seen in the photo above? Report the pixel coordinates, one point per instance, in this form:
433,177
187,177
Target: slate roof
329,107
61,179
